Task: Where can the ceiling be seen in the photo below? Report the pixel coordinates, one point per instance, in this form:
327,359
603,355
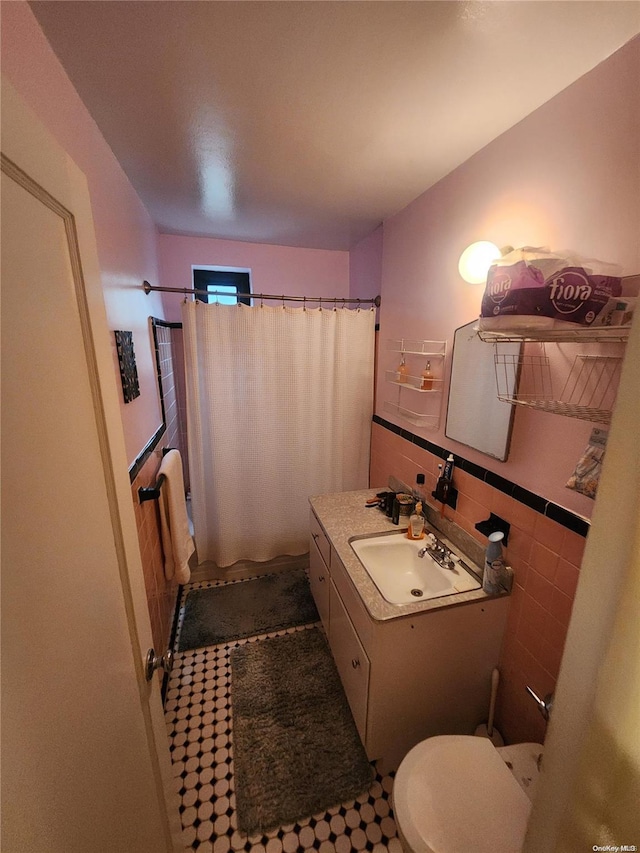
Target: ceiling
308,123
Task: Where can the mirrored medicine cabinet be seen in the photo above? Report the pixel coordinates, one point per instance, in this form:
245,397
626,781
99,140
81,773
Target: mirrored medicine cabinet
475,417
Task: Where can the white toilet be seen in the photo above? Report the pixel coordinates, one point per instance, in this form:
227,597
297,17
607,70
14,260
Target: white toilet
457,793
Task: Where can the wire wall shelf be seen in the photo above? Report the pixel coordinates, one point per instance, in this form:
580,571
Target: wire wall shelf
588,394
581,334
417,418
419,381
414,383
430,349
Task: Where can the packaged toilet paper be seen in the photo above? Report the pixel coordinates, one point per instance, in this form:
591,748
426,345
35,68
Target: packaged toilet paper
532,288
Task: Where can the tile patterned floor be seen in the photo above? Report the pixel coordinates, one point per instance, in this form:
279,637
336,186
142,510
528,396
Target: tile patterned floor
199,723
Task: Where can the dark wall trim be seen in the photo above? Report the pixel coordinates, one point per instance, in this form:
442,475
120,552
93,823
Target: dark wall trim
536,502
165,323
154,325
142,457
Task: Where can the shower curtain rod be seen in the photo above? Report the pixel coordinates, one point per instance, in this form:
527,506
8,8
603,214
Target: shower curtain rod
192,291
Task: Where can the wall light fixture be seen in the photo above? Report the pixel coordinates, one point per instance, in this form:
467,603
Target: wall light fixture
475,261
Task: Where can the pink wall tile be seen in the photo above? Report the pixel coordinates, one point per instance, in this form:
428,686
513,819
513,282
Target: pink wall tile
540,589
518,514
477,490
544,561
545,579
161,594
468,508
520,544
567,576
549,533
560,606
533,612
573,547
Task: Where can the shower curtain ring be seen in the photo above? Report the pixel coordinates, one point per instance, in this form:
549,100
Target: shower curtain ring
283,300
304,303
335,303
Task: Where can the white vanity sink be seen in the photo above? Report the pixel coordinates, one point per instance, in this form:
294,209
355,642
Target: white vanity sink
393,564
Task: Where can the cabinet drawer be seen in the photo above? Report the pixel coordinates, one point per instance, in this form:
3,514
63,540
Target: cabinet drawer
351,661
319,580
319,537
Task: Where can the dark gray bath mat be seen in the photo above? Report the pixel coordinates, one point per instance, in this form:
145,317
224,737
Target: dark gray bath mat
245,609
296,749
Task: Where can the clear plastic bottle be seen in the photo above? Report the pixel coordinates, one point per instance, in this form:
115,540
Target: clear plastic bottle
416,523
427,378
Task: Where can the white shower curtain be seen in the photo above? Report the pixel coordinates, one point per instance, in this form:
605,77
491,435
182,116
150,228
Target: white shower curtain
279,405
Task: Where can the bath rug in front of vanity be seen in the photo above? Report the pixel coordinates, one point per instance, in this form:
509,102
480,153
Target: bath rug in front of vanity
296,750
246,608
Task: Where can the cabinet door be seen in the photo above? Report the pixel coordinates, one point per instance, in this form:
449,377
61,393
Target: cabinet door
351,660
319,580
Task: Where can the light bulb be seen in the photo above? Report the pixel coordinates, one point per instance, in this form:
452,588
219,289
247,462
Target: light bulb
475,261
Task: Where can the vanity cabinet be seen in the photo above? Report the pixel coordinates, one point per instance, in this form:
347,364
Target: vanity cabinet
411,677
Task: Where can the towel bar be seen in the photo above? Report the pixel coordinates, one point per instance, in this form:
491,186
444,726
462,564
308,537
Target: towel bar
152,493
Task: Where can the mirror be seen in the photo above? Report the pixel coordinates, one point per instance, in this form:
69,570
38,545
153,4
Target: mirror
475,416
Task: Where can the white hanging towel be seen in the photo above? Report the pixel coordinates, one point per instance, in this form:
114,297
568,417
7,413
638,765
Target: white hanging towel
177,541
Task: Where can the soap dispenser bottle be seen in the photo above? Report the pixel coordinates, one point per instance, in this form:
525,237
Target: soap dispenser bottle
416,523
403,371
427,378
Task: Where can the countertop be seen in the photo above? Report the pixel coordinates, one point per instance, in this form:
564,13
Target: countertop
344,515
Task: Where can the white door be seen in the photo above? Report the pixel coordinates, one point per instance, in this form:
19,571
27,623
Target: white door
85,762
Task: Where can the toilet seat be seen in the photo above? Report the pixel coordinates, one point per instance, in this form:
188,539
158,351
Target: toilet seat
454,794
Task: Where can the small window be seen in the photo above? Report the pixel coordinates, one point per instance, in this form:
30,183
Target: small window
223,285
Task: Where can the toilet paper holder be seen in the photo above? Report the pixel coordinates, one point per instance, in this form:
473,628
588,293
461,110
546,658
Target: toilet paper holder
545,706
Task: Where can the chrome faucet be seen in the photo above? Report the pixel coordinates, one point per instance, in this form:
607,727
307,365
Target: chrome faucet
431,544
438,552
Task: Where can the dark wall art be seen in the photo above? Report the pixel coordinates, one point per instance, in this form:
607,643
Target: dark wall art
127,362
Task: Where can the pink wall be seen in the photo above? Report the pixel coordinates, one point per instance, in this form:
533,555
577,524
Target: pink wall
125,234
365,272
365,266
565,177
274,269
